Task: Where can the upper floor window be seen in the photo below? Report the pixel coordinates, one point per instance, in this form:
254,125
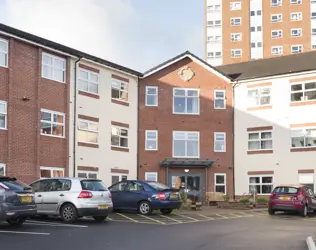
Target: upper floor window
186,144
88,131
151,139
236,21
219,142
214,39
236,53
303,137
235,6
259,96
214,8
276,18
296,48
88,81
259,140
215,54
277,50
303,92
296,1
214,23
275,3
255,13
313,15
3,115
235,37
119,90
4,53
119,137
219,99
276,34
313,31
296,32
254,29
52,123
186,101
296,16
53,68
151,96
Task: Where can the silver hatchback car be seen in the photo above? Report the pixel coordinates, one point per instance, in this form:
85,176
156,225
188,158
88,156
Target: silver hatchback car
72,198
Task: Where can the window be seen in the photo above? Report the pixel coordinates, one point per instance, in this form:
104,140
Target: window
276,18
296,1
260,140
261,184
3,115
186,101
186,144
259,12
296,32
214,39
276,34
119,137
151,96
303,137
220,183
2,170
216,54
313,15
296,49
115,178
254,29
303,92
259,96
88,174
275,3
50,172
277,50
214,8
296,16
119,90
88,81
151,176
53,68
214,23
220,99
314,31
313,46
151,140
306,180
254,45
235,6
235,21
235,37
236,53
4,53
88,131
219,142
52,123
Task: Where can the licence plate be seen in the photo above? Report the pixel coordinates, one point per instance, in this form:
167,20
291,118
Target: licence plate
103,207
173,196
26,199
285,198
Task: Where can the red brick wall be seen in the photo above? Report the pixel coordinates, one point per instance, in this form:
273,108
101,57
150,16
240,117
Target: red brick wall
22,148
209,121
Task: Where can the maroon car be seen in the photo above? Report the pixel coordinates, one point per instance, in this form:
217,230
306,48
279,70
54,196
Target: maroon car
292,198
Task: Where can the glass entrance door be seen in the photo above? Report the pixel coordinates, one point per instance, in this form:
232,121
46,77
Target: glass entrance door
189,183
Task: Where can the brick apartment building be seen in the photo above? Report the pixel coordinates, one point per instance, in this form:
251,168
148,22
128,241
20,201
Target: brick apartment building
185,126
244,30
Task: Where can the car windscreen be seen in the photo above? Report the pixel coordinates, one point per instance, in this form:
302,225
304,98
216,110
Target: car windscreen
93,185
286,190
14,185
158,186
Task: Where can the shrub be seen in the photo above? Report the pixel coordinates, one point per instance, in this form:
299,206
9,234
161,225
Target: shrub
262,200
183,197
226,198
244,200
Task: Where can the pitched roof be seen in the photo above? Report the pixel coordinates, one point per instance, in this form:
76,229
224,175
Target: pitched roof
271,66
193,57
65,49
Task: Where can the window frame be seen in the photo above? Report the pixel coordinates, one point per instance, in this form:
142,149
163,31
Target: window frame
297,2
297,45
303,91
278,20
186,135
6,53
280,34
119,89
51,171
261,95
278,4
233,37
224,98
215,23
298,14
214,40
305,136
186,90
219,133
87,130
235,18
146,139
2,165
212,8
53,57
277,47
116,146
233,5
214,54
51,122
5,115
151,173
220,184
234,50
89,81
120,176
87,173
300,31
146,96
260,140
261,183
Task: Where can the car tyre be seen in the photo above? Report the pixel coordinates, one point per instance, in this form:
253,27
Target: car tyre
271,211
99,218
304,211
144,208
16,222
69,213
166,211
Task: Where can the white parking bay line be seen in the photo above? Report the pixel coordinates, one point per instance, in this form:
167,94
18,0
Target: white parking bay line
17,232
51,224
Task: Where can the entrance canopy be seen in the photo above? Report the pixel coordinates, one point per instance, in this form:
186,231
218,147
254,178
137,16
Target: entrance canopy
186,162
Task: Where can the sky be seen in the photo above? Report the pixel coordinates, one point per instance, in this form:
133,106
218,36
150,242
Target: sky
138,34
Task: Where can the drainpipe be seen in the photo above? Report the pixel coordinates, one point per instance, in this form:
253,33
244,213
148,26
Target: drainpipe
138,117
233,131
75,120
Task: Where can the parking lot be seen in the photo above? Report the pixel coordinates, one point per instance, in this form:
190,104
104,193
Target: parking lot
191,230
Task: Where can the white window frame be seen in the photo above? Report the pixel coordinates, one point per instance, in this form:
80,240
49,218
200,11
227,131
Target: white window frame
233,37
299,14
233,21
303,91
52,66
277,4
119,175
221,98
279,48
151,173
213,54
279,35
118,146
305,136
235,5
298,30
52,122
313,31
219,133
89,81
51,171
120,90
214,39
5,53
233,51
220,184
186,90
298,46
279,18
89,130
186,135
2,165
259,95
261,184
146,95
87,173
147,139
313,15
260,139
295,2
214,23
5,115
214,8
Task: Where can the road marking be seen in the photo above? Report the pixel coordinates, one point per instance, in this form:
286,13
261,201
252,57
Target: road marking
17,232
204,216
108,218
126,217
147,217
224,217
184,216
40,223
170,218
236,215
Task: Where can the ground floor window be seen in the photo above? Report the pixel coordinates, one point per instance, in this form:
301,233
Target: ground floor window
88,174
220,183
261,184
2,170
118,177
307,180
151,176
49,172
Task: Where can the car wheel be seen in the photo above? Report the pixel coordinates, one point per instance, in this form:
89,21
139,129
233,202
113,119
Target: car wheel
68,213
144,208
166,211
304,211
16,222
271,211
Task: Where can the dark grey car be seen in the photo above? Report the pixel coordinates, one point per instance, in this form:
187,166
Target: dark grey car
16,201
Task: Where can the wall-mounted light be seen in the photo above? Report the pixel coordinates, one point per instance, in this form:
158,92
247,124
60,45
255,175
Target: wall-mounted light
186,170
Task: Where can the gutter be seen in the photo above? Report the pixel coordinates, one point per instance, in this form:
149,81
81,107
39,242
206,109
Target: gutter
138,118
233,131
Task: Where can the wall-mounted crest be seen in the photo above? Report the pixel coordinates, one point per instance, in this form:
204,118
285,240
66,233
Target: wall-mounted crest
186,74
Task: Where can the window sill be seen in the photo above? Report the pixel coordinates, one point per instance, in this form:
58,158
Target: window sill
220,108
175,113
259,108
53,80
146,105
306,149
121,149
302,103
4,129
123,103
219,151
88,94
61,137
190,157
88,145
4,66
257,152
151,149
